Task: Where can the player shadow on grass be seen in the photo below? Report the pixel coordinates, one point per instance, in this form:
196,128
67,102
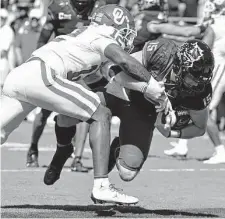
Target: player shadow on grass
112,210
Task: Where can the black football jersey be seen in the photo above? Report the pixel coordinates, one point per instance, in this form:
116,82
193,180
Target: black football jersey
63,17
158,59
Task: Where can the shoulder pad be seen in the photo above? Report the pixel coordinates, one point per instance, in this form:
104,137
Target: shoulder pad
158,56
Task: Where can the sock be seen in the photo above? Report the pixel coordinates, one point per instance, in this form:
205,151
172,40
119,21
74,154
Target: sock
77,159
61,155
34,147
220,149
64,135
183,142
98,182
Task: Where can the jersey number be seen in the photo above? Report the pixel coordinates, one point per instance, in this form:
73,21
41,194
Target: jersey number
152,46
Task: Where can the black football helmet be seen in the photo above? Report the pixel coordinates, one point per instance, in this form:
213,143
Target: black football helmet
193,66
83,7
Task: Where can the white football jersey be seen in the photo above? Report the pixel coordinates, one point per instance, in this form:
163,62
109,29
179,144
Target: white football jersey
78,53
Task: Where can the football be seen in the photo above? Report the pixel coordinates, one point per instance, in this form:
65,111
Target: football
182,118
179,119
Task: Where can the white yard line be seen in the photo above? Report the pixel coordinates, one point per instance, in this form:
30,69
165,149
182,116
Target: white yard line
150,170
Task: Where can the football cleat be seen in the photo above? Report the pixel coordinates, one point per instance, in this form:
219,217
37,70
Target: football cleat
177,151
32,158
110,194
52,174
217,158
114,152
77,166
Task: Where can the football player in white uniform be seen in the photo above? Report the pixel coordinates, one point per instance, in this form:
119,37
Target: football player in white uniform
47,80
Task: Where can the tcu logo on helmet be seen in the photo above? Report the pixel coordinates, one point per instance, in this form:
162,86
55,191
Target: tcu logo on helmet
190,55
118,16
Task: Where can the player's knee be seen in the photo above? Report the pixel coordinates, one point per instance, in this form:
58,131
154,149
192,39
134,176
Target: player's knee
130,161
102,114
125,173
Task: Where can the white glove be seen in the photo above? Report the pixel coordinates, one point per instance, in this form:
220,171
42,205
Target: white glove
155,93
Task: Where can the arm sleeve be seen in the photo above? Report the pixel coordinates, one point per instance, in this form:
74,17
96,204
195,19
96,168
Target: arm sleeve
101,43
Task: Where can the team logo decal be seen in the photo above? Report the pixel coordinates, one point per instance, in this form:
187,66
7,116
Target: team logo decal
119,16
190,55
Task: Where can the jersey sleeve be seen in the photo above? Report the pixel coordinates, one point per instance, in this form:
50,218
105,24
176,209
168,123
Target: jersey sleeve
103,39
200,101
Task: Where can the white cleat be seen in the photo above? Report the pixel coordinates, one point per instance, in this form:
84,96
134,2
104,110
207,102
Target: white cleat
178,150
110,194
217,158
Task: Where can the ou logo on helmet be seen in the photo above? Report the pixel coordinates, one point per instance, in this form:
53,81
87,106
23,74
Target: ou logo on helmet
118,16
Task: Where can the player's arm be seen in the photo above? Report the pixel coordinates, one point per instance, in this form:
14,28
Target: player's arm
172,29
46,33
153,90
129,64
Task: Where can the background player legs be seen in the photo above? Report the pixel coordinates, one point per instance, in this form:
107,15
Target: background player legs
213,132
38,127
79,144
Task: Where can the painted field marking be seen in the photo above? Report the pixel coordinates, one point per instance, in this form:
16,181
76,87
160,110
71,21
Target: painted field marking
15,146
150,170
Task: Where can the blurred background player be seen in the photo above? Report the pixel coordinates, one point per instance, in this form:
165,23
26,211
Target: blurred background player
63,17
214,13
7,37
152,22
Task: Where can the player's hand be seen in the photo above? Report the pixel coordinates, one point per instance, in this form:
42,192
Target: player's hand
155,92
165,105
163,128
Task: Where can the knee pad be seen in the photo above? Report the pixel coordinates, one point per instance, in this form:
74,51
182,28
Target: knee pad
125,173
64,135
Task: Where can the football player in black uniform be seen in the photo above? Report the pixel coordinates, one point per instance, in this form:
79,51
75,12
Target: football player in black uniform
62,18
186,72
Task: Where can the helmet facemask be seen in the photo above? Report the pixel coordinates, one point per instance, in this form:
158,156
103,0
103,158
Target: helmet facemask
125,37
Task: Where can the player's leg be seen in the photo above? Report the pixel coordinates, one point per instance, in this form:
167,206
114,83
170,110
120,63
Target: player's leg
65,129
38,127
79,143
136,131
213,132
103,190
218,83
12,113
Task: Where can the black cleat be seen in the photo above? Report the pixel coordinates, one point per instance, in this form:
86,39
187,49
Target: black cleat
32,158
52,174
77,166
114,153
